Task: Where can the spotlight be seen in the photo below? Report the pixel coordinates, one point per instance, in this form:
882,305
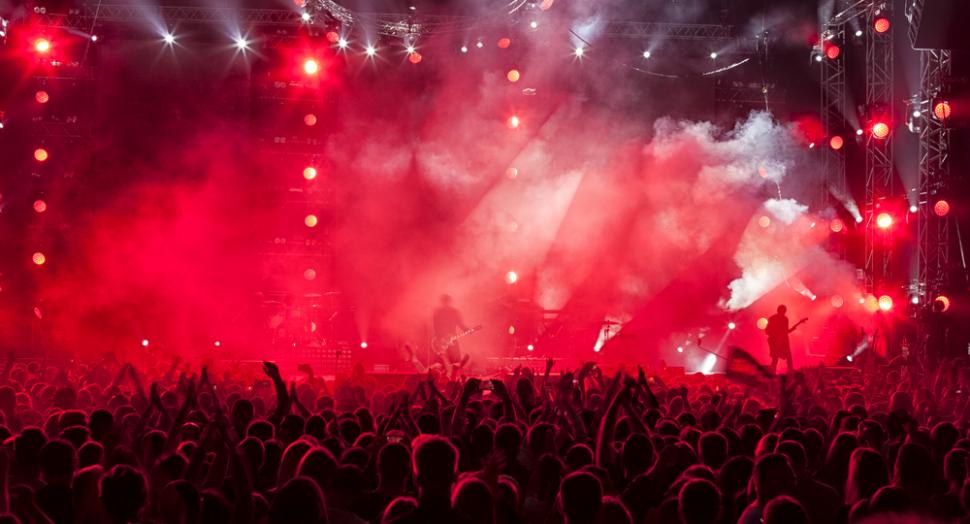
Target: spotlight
409,49
217,343
880,130
311,66
511,277
512,122
513,75
917,113
713,55
884,220
310,119
530,347
332,36
42,97
579,52
913,208
310,173
370,50
305,16
762,323
915,300
415,58
885,302
942,110
848,358
504,43
42,45
310,220
169,38
858,132
764,221
833,51
94,38
941,208
881,24
944,301
464,49
646,54
479,44
511,330
732,325
836,225
310,274
342,43
837,301
241,43
858,32
144,342
836,142
40,154
38,258
534,25
40,206
363,345
680,349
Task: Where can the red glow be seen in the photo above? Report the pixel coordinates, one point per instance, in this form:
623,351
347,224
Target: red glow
38,258
942,110
762,323
40,206
42,97
511,172
885,302
512,122
884,220
944,300
310,119
310,220
40,154
836,142
332,36
42,45
836,225
415,58
310,173
881,24
837,301
941,208
833,51
513,75
311,66
880,130
764,221
511,277
310,274
504,43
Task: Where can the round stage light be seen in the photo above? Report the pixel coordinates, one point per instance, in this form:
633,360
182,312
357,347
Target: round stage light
511,330
837,301
305,16
311,220
885,302
680,349
511,277
513,122
836,225
241,43
42,97
370,50
913,208
464,49
833,51
732,325
534,25
311,66
332,36
169,38
144,342
646,54
38,258
941,208
40,206
217,343
764,221
42,45
415,58
504,43
944,301
513,75
884,220
40,154
880,130
310,173
942,110
762,323
310,274
511,173
342,43
579,52
881,24
836,142
530,347
363,345
310,119
713,56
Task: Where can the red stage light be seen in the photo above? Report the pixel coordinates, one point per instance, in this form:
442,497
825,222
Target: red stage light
881,24
415,58
512,122
310,173
311,66
884,220
762,323
511,277
764,221
40,206
942,110
513,75
42,97
42,45
144,343
885,302
363,345
504,43
332,36
38,258
837,301
944,301
310,274
310,119
836,142
836,225
311,220
833,51
880,130
40,154
941,208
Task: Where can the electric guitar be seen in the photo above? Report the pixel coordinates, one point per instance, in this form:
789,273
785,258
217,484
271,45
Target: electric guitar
440,345
800,322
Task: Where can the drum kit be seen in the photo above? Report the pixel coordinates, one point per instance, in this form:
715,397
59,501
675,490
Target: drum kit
318,319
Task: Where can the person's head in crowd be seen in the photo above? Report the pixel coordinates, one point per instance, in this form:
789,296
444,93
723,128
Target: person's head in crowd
435,466
472,501
580,498
299,501
785,510
124,492
867,473
699,502
773,476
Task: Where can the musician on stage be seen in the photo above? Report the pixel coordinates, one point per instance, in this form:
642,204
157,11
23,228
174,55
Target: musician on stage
447,323
778,344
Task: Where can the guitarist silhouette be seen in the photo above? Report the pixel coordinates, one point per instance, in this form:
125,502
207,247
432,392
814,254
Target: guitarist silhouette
777,331
447,323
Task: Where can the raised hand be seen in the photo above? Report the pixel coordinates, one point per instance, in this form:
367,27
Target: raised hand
271,369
